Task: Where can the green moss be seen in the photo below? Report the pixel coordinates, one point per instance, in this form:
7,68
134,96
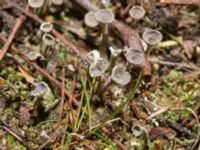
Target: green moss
168,90
172,117
32,133
8,113
174,74
13,143
62,54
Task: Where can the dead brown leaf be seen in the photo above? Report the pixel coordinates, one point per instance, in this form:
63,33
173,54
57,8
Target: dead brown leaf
25,115
27,75
162,132
188,47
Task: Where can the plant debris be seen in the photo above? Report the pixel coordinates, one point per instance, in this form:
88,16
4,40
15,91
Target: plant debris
99,74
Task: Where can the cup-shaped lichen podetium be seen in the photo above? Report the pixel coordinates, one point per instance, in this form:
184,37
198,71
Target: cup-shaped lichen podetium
91,27
114,54
134,56
120,75
34,55
104,17
39,5
57,2
46,27
90,20
152,37
36,3
98,68
47,41
136,12
42,90
93,56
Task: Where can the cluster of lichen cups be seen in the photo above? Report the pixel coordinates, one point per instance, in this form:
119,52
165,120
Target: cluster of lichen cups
100,64
41,6
48,39
105,61
39,3
106,66
42,90
150,36
101,18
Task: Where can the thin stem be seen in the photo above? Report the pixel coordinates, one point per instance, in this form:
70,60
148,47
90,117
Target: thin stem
62,94
78,119
104,39
87,102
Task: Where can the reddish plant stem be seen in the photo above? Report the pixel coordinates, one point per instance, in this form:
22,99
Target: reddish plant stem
129,36
43,72
11,36
62,93
120,145
197,2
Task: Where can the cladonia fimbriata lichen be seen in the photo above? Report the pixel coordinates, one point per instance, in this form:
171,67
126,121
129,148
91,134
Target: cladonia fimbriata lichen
33,55
152,37
94,55
134,56
115,52
46,27
99,67
90,20
120,75
36,3
42,90
137,12
104,17
48,39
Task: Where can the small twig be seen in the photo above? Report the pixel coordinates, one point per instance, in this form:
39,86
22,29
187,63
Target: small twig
197,2
180,65
193,74
197,120
17,137
159,112
43,72
145,135
11,36
108,122
12,133
172,125
62,93
119,144
44,144
6,127
51,139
